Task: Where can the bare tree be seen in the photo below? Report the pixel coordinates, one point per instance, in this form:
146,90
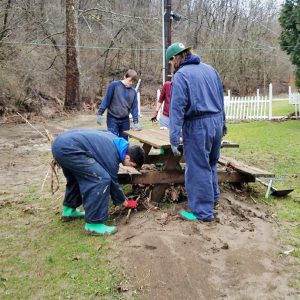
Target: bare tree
72,93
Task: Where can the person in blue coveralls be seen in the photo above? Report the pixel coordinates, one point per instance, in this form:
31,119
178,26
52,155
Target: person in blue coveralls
120,100
90,162
197,108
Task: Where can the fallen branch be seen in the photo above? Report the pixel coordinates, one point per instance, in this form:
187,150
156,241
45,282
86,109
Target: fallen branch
43,184
54,166
33,127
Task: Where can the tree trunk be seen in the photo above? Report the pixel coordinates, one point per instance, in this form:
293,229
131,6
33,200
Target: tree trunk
4,30
72,97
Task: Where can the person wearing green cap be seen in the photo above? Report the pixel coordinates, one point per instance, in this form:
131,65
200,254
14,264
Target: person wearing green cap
90,162
197,109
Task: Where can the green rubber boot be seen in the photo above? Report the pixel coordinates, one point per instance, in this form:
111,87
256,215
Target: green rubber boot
187,215
69,214
99,229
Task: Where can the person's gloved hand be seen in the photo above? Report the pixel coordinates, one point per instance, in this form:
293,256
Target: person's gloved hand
99,119
224,130
154,119
175,150
137,127
130,204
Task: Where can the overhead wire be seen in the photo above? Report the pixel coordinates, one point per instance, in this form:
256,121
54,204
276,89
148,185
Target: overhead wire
23,43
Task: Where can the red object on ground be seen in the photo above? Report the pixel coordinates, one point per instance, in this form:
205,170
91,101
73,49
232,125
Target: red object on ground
131,204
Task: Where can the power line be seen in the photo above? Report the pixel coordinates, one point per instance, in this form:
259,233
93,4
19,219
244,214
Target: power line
117,14
22,43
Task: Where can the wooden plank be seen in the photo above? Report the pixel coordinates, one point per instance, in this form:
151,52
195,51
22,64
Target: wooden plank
160,138
128,170
169,177
149,137
243,168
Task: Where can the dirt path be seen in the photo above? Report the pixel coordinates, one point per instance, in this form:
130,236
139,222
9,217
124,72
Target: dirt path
235,258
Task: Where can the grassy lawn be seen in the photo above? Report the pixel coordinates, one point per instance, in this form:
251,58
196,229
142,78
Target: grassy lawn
282,108
43,258
274,146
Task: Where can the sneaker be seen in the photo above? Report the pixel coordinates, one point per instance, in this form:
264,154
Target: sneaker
69,214
189,216
99,229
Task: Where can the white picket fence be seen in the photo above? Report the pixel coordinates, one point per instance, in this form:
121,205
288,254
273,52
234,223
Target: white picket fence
257,107
247,108
253,108
294,99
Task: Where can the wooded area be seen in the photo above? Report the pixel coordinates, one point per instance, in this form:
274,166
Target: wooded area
238,37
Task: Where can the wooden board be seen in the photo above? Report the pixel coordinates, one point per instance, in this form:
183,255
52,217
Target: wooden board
160,139
158,177
243,168
128,170
155,137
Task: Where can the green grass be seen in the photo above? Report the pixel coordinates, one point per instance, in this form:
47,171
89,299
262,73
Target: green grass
43,258
282,108
275,147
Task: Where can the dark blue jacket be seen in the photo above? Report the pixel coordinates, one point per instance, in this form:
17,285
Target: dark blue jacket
120,101
107,149
196,90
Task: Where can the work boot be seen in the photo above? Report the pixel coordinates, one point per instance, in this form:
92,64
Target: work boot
99,229
69,214
189,216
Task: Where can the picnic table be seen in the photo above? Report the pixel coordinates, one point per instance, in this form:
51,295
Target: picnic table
170,169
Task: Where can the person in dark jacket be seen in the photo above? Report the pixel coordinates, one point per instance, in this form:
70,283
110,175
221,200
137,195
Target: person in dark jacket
197,109
120,100
90,162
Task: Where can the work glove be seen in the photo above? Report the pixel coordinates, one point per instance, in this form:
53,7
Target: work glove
224,130
154,119
175,151
99,119
137,127
131,204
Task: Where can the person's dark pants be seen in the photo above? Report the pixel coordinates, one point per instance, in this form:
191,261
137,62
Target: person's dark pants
118,126
202,142
87,183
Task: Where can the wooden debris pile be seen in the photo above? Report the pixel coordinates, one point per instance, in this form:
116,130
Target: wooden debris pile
173,193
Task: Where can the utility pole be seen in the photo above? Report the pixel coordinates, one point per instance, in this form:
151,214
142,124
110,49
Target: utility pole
166,36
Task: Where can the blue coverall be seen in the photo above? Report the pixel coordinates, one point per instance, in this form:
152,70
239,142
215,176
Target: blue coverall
119,100
197,107
90,162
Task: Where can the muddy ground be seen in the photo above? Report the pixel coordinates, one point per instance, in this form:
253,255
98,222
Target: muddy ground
237,257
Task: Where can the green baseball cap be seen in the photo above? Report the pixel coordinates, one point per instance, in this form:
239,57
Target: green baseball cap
175,49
